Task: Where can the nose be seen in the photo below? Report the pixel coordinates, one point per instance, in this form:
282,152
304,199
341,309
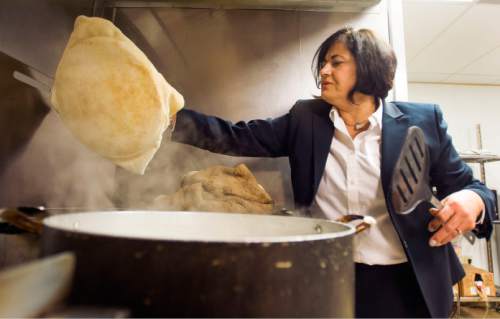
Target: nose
325,70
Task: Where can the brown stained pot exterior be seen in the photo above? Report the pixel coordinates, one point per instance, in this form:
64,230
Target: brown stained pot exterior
161,278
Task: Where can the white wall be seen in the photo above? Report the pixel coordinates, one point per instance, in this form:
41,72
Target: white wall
465,106
397,40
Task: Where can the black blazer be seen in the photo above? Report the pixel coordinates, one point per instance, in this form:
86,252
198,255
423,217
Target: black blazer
305,134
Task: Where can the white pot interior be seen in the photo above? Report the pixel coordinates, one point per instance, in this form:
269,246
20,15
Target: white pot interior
199,226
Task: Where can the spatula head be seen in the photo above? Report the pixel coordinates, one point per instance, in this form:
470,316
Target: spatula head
410,178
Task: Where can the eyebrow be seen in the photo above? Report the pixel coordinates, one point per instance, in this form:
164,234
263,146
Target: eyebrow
334,56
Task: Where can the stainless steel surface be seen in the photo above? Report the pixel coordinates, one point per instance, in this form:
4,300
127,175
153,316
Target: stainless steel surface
42,163
35,31
479,158
237,64
44,89
480,146
22,109
306,5
489,252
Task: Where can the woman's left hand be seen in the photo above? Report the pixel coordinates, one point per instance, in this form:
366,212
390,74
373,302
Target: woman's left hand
459,214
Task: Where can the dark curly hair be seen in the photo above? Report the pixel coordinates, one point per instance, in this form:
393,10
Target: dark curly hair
375,61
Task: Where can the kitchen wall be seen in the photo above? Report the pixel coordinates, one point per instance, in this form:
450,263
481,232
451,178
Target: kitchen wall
464,107
237,64
41,163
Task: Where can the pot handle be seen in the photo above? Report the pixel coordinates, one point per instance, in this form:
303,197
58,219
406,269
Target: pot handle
25,218
366,221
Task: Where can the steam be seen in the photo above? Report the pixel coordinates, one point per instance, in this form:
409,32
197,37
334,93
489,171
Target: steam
236,78
55,170
164,173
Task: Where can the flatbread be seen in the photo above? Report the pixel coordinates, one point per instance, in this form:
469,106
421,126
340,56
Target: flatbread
111,96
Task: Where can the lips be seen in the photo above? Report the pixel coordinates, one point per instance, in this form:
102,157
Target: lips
325,84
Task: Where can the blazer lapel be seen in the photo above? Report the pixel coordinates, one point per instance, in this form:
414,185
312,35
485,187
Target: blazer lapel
322,139
394,127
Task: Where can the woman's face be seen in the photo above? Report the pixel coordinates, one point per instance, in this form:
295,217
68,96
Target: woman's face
338,74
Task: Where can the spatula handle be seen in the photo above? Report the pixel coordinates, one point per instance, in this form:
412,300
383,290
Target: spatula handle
436,202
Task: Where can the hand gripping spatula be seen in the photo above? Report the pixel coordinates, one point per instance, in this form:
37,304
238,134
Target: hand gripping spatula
410,178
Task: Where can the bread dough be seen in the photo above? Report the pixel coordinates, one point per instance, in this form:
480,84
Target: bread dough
219,189
111,96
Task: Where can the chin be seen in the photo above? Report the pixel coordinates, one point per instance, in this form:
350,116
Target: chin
327,98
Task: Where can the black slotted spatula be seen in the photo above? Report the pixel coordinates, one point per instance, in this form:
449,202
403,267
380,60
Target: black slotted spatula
410,178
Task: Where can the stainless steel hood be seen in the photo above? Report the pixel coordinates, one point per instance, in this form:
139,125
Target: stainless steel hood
302,5
235,64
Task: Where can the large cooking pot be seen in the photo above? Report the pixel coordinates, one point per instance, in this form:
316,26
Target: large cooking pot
190,264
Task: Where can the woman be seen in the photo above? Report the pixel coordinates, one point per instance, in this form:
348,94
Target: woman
342,148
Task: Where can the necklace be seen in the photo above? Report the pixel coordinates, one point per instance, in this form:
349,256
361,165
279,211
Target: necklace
357,126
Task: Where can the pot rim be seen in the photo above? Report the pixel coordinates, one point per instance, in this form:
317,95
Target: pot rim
318,229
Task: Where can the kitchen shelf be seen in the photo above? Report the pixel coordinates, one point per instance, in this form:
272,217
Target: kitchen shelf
477,299
479,158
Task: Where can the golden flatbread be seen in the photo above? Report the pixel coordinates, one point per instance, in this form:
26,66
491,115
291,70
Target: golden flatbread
111,96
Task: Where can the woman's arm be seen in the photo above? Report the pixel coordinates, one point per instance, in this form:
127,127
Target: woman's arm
464,198
257,138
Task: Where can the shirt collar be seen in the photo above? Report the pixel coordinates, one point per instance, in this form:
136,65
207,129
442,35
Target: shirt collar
375,119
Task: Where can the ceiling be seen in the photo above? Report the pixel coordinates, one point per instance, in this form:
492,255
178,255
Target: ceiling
453,41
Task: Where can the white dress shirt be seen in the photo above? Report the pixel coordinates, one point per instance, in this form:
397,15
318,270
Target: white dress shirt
351,184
